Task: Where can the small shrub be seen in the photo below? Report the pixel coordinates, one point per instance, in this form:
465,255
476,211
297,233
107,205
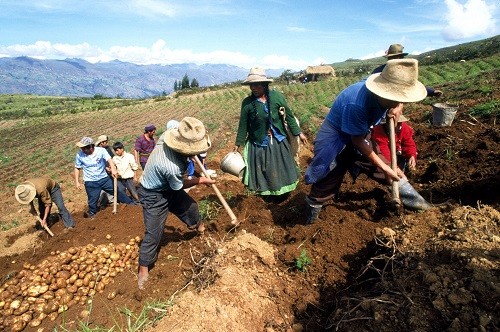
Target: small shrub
303,261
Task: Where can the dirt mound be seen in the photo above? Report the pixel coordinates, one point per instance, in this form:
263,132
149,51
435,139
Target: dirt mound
446,272
238,290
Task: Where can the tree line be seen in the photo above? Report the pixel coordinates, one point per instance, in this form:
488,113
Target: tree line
185,84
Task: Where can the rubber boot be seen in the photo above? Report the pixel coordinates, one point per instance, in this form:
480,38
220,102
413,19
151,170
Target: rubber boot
410,198
313,210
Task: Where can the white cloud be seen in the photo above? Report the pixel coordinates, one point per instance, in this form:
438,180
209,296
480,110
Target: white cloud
158,53
474,18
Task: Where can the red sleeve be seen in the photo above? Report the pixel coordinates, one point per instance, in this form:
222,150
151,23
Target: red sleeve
382,140
408,146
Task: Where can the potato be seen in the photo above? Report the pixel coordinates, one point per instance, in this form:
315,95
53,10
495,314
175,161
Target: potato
64,273
18,326
111,295
15,304
48,295
50,307
72,289
84,314
72,278
23,307
37,290
35,322
61,283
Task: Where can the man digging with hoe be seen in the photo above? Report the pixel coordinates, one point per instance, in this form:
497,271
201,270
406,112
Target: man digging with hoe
162,187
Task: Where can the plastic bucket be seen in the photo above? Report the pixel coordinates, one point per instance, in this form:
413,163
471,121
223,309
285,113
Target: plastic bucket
443,114
233,163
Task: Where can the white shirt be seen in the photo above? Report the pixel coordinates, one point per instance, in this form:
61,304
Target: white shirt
125,165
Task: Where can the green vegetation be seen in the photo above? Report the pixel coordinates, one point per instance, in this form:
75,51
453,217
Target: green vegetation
303,261
5,226
209,209
489,109
29,106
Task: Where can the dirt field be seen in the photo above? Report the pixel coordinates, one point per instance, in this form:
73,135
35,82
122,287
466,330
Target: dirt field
370,269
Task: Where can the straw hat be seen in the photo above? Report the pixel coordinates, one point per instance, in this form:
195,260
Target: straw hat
256,75
25,192
189,138
85,141
394,50
101,139
398,82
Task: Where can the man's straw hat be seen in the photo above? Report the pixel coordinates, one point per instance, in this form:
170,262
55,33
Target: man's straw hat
101,139
25,192
398,82
395,50
189,138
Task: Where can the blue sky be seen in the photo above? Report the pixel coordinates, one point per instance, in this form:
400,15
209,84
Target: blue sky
289,34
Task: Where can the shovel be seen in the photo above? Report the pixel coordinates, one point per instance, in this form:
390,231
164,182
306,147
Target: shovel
234,220
115,192
394,162
45,226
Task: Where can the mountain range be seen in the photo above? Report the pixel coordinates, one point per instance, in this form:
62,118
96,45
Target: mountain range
77,77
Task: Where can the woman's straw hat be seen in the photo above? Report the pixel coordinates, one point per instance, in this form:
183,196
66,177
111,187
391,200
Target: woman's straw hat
189,138
256,75
25,192
398,82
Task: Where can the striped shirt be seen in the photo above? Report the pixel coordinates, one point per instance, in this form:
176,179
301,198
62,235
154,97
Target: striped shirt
164,170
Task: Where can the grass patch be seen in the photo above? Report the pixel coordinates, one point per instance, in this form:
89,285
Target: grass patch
489,109
209,209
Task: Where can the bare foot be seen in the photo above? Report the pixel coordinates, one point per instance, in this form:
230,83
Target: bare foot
201,227
142,277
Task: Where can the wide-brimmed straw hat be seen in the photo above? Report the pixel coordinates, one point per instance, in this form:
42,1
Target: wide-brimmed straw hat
85,141
101,139
189,138
394,50
398,81
256,75
25,192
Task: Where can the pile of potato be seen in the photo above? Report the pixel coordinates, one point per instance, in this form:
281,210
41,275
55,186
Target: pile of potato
63,280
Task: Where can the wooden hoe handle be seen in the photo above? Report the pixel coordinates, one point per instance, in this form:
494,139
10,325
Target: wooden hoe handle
394,161
234,220
45,226
115,192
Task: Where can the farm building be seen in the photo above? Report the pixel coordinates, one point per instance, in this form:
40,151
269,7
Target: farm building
316,73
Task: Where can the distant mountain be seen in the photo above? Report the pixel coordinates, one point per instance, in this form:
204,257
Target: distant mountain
77,77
